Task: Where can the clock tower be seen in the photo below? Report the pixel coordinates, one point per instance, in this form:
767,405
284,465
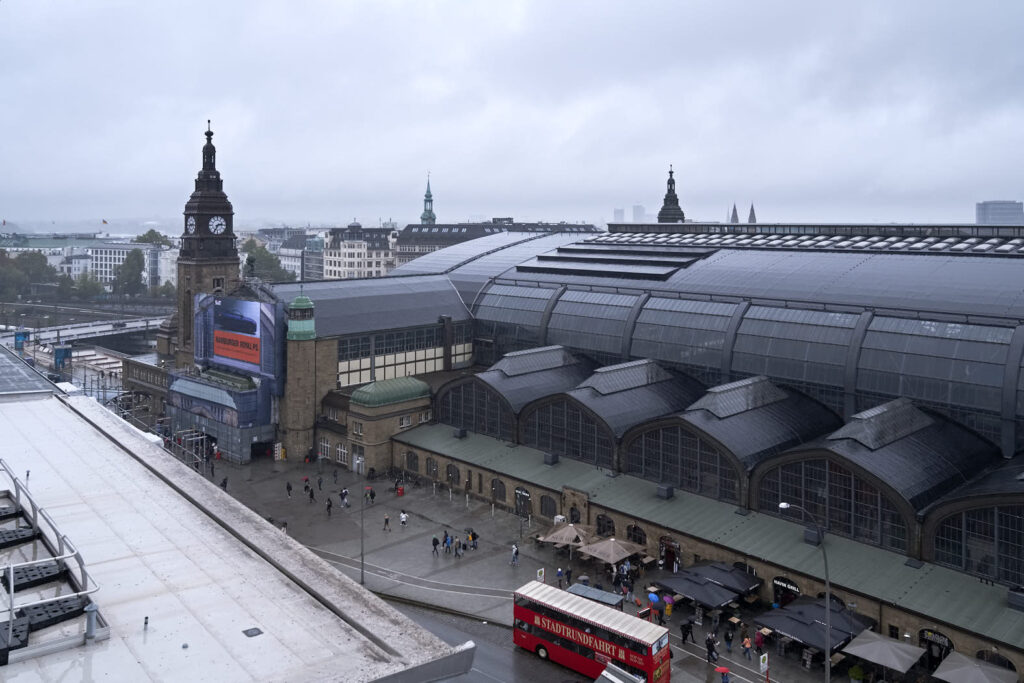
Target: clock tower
208,260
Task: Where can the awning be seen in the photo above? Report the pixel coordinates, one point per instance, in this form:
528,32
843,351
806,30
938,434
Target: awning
696,588
890,653
803,620
728,576
956,668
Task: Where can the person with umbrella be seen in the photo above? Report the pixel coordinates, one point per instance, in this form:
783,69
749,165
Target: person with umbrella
724,670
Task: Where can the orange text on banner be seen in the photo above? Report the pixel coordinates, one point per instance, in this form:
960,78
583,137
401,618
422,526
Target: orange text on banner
238,346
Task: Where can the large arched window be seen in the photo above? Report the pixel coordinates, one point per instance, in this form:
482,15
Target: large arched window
498,490
548,507
432,468
412,462
451,474
474,406
524,507
673,455
636,534
844,503
605,526
563,428
986,541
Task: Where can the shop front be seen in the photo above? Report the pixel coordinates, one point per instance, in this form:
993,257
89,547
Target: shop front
784,591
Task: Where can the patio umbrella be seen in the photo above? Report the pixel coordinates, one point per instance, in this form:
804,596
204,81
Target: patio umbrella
957,668
611,550
570,535
890,653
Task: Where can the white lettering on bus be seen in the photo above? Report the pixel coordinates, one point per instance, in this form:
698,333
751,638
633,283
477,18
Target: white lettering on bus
580,637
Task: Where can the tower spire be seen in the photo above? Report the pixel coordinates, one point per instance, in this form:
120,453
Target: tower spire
428,217
670,211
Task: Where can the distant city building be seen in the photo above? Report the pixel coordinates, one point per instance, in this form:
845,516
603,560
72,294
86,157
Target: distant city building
356,252
639,213
999,213
670,211
313,259
619,215
108,258
290,253
75,266
167,266
428,217
416,240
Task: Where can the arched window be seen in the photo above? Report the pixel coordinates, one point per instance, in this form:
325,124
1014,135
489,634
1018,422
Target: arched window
636,534
523,506
844,503
432,468
995,659
563,428
605,526
341,453
497,490
451,474
412,462
574,515
987,541
325,448
672,455
473,406
548,508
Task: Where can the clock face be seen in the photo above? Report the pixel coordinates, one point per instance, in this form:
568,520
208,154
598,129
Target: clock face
217,225
190,225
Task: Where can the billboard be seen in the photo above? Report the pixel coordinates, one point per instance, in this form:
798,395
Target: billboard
236,330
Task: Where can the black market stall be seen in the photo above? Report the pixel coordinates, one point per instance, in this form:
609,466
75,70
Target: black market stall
801,624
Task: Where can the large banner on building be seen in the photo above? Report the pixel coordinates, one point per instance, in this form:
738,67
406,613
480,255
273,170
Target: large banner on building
236,330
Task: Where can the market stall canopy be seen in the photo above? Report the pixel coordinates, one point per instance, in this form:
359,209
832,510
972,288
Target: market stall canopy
700,590
611,550
956,668
803,620
890,653
570,534
733,578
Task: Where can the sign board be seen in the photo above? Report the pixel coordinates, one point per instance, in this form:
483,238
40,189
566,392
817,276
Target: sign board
236,330
278,451
764,662
540,574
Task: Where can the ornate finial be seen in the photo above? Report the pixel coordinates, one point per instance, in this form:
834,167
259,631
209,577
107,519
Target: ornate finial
208,125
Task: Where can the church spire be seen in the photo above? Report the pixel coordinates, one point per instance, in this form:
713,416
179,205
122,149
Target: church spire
735,217
752,218
428,217
670,211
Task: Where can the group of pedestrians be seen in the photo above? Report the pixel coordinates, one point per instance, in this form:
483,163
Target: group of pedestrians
711,641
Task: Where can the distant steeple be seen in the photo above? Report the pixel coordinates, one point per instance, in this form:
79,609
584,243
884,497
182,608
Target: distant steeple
428,217
670,211
735,218
752,218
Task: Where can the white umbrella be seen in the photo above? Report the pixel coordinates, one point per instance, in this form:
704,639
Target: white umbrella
570,535
876,648
956,668
611,550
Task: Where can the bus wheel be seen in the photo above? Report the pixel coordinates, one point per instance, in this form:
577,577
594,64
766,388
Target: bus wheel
542,652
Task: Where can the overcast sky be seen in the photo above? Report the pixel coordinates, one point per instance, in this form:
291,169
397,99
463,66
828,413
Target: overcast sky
328,111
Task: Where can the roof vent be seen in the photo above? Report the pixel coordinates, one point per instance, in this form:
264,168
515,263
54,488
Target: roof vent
884,424
665,491
811,536
1015,598
551,458
459,433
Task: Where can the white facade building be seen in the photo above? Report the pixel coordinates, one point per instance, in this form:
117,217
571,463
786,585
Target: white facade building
358,252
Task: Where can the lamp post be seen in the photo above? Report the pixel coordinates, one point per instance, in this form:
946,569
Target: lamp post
828,587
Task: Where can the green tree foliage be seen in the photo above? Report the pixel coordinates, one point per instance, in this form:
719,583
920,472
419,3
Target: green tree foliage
88,286
65,287
12,281
128,278
18,273
264,265
33,264
151,236
164,291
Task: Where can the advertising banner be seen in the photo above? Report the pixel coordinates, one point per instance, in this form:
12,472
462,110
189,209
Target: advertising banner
236,330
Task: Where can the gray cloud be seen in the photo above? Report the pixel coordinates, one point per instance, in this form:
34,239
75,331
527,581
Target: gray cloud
325,111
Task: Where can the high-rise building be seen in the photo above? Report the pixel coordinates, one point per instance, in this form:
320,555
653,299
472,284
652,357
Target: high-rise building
639,213
999,213
619,215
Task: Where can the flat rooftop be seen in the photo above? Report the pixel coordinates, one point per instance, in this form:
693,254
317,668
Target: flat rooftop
163,542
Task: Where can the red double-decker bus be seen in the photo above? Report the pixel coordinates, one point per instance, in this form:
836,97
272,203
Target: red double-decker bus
585,636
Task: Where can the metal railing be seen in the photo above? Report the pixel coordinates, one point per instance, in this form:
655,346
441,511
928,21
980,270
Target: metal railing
57,543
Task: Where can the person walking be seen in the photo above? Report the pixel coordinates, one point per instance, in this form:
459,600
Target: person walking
560,576
759,642
444,541
709,643
320,482
447,544
568,576
224,483
373,494
469,539
686,631
312,494
387,522
403,519
334,473
512,559
458,547
211,470
344,498
746,649
728,639
284,528
330,504
305,484
288,488
435,543
476,539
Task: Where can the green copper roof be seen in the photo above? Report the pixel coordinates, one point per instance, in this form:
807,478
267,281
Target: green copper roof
301,301
390,391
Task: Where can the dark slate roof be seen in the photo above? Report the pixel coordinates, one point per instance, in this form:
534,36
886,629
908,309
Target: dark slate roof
526,376
756,419
882,425
923,465
627,394
1006,478
370,304
295,242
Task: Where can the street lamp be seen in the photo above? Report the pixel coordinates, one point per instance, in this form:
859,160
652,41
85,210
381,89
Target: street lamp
828,587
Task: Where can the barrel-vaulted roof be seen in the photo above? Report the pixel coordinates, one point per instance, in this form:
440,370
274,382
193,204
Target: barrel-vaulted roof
919,453
524,376
389,391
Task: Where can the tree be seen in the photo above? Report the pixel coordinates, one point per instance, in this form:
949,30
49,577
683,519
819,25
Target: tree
128,277
164,291
264,265
88,286
12,280
65,287
33,264
151,236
